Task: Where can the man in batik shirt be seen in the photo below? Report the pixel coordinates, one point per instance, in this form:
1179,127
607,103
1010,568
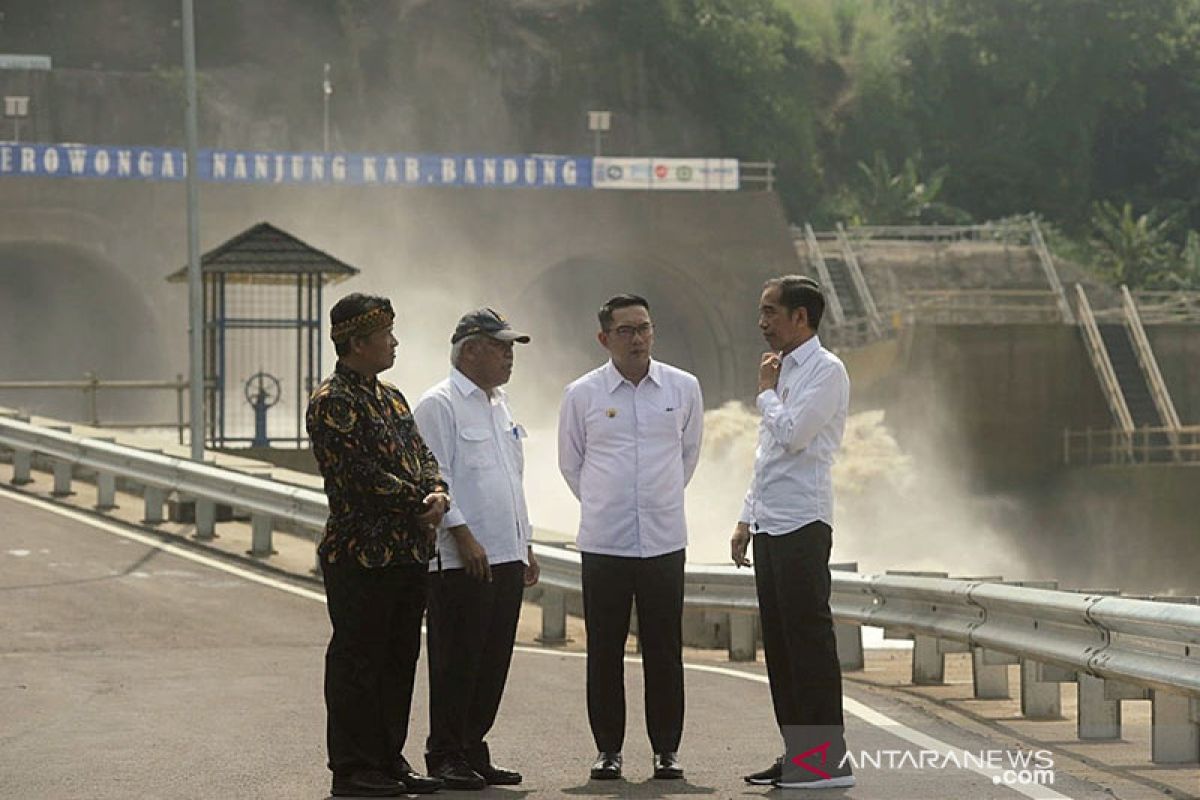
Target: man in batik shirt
386,498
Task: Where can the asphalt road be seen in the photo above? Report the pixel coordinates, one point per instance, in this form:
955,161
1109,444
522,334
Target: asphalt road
130,671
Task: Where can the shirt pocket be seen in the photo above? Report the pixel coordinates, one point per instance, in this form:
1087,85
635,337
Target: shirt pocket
476,449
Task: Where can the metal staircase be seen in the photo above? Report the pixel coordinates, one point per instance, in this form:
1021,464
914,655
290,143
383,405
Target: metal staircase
1133,386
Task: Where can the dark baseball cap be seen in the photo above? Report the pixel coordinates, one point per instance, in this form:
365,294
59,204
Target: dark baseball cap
488,322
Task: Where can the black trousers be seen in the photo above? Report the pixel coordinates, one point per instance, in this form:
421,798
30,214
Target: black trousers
472,627
610,585
792,578
371,661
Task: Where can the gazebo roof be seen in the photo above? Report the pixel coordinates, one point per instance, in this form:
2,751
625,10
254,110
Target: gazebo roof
266,254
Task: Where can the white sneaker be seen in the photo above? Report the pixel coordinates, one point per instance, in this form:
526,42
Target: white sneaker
817,782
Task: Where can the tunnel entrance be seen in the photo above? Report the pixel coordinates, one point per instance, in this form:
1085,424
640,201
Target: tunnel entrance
559,308
65,311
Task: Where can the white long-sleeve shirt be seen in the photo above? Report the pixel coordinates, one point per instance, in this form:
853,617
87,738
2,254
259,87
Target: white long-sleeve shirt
802,424
480,450
627,452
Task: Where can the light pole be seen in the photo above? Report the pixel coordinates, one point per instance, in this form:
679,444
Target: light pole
195,288
599,123
327,89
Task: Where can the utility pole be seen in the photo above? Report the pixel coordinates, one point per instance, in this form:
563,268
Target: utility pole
195,284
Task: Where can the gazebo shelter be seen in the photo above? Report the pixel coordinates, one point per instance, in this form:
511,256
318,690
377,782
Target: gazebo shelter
262,335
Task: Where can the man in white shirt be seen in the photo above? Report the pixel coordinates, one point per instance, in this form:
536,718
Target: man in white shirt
628,442
804,395
484,559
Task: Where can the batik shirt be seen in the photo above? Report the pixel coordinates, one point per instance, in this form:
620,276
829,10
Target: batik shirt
377,471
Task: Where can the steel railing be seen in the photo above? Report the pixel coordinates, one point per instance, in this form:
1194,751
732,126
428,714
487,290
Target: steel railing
1057,636
1146,445
1098,354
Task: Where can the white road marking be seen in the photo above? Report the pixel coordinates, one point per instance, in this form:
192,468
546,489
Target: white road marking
851,706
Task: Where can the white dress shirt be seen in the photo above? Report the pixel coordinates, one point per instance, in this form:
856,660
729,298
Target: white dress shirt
801,429
627,452
482,457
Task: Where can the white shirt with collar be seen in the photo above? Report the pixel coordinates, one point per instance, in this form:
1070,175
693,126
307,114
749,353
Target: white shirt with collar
802,424
627,452
482,456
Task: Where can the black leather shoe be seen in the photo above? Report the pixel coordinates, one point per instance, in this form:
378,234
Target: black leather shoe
456,773
607,767
413,781
667,766
497,776
367,783
766,777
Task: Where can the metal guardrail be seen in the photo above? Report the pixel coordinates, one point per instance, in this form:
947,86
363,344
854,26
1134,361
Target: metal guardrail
1150,445
1149,364
92,385
757,173
1047,262
860,282
818,260
1169,308
982,306
1129,646
1098,354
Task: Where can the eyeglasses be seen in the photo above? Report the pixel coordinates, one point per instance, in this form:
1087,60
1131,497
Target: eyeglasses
629,331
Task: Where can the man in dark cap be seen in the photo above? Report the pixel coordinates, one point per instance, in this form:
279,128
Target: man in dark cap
386,498
485,556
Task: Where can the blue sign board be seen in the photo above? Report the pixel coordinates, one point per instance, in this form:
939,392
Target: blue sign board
259,167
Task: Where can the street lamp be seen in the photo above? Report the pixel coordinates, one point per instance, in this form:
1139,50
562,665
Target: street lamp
327,90
195,293
599,123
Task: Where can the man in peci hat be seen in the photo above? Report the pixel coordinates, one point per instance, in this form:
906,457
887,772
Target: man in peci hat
485,559
386,498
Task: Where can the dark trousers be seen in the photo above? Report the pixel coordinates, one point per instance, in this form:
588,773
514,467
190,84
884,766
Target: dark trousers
792,577
371,661
472,627
610,585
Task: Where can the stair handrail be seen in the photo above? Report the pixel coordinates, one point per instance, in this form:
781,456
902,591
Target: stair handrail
1104,369
818,259
860,281
1149,364
1047,261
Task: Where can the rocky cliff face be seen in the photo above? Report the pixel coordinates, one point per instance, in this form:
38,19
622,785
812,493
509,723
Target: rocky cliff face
428,75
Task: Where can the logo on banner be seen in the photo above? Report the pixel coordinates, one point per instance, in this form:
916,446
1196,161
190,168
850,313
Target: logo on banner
615,172
660,171
684,173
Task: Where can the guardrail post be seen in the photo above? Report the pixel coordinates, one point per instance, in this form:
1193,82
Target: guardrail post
106,491
155,498
206,519
1039,699
62,479
260,535
554,617
1099,718
742,644
989,678
928,664
22,468
1174,734
848,636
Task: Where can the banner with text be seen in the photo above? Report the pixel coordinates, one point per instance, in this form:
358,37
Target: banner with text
685,174
365,169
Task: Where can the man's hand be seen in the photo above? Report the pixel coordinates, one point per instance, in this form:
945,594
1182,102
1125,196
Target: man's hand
436,504
532,570
768,371
739,543
474,558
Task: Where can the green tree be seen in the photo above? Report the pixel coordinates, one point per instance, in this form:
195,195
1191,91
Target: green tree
1131,249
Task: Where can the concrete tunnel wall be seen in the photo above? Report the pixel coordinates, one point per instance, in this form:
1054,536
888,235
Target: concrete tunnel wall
700,257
